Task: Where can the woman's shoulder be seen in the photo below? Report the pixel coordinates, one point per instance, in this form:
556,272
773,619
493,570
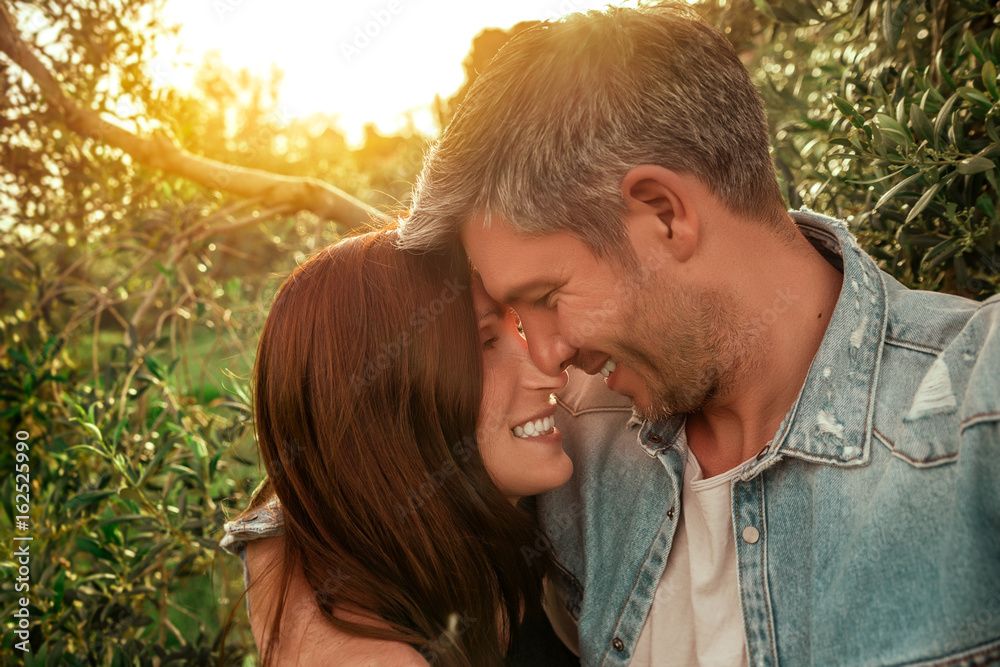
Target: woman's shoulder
307,637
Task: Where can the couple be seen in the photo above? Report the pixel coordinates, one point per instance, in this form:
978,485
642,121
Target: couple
798,460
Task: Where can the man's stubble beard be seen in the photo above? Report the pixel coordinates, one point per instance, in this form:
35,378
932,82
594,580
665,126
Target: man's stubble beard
688,349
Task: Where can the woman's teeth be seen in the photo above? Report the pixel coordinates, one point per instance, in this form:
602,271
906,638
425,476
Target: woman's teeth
608,368
537,427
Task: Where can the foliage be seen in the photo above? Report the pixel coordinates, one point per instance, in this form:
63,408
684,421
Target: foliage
130,305
131,299
884,113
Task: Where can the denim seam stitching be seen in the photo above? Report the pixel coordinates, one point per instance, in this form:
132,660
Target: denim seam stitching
763,571
632,587
895,452
916,347
980,418
991,646
880,348
739,571
572,580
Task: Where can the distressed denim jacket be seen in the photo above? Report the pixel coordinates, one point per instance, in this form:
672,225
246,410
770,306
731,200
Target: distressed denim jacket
867,532
267,521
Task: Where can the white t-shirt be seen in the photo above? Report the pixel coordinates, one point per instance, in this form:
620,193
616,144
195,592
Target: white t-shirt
696,618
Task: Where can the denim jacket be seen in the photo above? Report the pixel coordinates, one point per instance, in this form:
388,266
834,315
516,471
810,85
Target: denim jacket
267,521
867,532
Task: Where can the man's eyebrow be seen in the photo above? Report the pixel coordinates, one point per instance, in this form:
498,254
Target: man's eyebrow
497,311
517,292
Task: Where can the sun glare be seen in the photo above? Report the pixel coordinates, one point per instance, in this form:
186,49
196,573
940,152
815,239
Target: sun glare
379,61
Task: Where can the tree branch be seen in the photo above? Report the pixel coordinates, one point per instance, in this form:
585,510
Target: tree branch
159,152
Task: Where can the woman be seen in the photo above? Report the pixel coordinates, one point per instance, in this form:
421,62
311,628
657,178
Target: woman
400,419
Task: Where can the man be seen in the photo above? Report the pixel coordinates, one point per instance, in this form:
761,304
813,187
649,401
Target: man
816,480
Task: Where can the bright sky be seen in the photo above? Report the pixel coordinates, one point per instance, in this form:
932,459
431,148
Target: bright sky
366,60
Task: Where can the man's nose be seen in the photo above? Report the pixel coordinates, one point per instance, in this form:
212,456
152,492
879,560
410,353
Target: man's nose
548,349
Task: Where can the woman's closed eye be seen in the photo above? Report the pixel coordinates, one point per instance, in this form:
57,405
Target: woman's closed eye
491,342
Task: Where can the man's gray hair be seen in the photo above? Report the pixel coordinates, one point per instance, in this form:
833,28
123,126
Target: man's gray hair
552,126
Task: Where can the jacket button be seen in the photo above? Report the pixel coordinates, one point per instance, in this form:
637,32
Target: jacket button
654,438
751,535
762,453
617,644
670,513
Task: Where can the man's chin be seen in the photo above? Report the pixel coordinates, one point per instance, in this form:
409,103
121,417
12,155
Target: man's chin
651,413
661,408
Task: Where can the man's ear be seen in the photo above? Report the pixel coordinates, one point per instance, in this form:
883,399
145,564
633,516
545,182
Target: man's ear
660,206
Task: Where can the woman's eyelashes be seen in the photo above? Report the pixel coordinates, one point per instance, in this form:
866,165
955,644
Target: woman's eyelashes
509,323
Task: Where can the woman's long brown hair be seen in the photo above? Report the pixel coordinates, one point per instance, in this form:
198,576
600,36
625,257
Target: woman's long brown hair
367,387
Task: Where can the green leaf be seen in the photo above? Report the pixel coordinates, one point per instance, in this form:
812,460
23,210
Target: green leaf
197,446
848,110
944,113
990,151
103,453
764,9
58,587
990,79
939,253
87,498
972,45
943,71
161,452
891,192
117,434
155,367
924,200
961,270
892,23
90,545
123,518
922,125
974,165
91,429
130,493
974,96
985,204
894,132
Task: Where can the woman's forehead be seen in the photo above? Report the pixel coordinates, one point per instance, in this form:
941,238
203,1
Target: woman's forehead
482,302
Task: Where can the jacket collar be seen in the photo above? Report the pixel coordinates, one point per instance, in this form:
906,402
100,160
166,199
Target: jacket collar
831,420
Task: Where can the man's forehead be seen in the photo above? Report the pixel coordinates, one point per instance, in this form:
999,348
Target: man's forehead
509,262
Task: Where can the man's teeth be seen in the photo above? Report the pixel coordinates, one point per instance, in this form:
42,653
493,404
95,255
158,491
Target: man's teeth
609,367
537,427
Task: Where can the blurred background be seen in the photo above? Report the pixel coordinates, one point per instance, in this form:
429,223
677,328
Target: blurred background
164,164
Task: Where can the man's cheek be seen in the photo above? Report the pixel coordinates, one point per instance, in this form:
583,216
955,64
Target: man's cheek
585,326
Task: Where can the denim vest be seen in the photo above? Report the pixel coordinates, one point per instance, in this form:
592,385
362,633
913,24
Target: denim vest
867,533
